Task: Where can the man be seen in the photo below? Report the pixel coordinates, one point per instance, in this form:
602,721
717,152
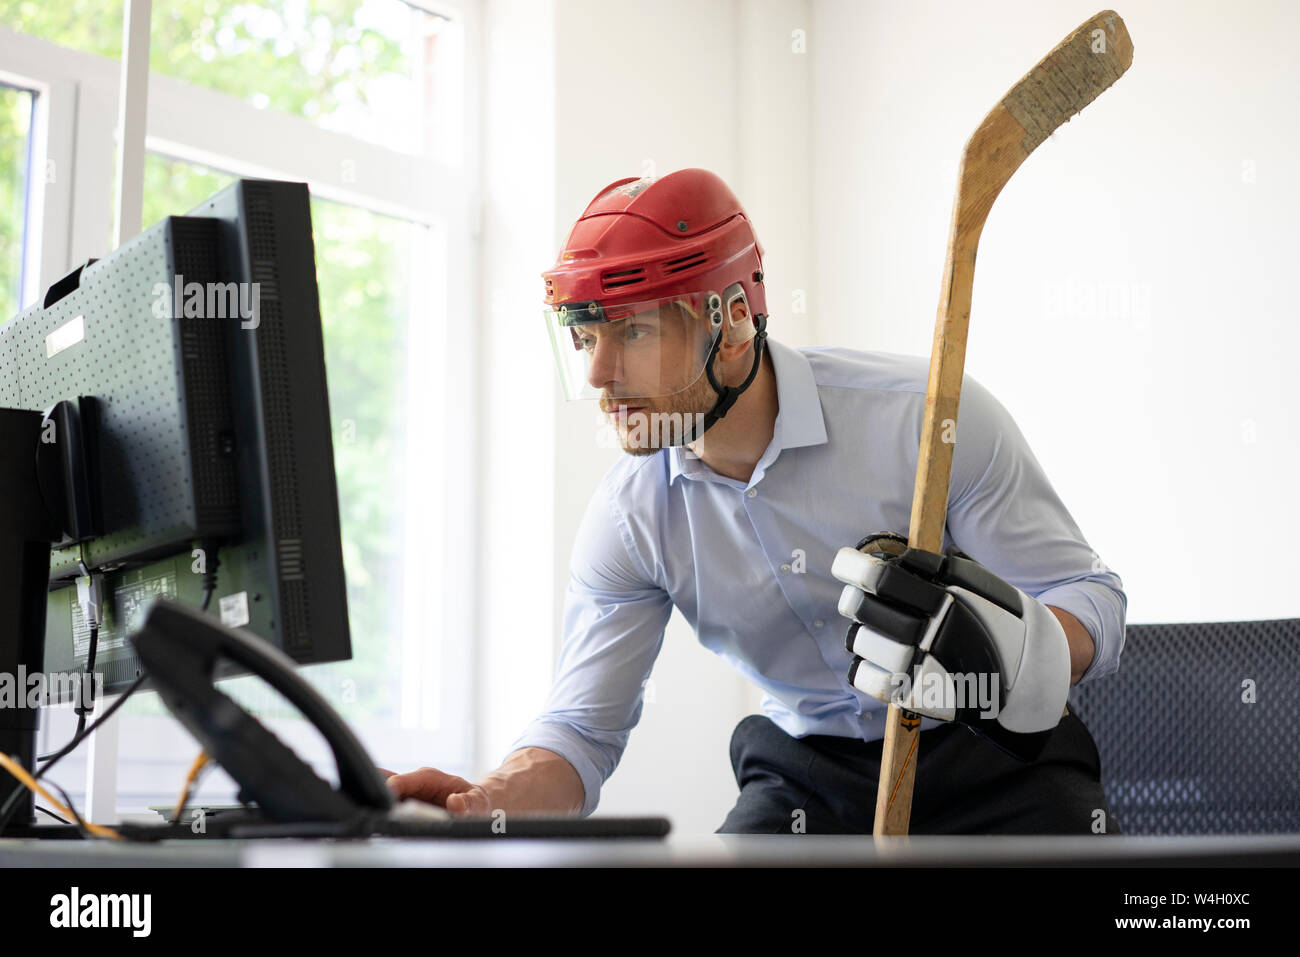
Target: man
750,466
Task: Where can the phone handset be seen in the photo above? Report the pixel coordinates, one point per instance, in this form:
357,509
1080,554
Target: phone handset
179,648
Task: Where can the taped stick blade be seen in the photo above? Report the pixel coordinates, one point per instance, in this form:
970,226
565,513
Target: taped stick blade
1074,74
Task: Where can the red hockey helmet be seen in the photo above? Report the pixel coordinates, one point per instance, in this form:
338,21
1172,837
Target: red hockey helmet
648,283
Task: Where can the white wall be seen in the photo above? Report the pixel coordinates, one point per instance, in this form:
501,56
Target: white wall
515,600
1131,305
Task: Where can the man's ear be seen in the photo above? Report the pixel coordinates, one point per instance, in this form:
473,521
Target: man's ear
738,327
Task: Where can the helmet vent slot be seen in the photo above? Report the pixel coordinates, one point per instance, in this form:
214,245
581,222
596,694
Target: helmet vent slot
685,262
619,278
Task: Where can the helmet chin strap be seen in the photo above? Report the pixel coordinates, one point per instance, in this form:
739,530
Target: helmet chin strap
727,395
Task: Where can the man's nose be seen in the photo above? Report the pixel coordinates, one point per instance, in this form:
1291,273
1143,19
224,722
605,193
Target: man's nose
606,363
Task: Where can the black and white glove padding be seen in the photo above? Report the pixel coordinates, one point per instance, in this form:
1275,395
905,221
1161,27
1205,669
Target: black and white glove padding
942,636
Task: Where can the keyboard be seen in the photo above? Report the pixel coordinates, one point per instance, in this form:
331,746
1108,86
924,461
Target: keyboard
407,819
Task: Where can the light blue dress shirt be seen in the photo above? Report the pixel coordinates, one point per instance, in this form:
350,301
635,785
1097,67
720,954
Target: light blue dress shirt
748,563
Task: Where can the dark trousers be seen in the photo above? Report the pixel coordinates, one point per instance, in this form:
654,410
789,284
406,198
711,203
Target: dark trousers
964,785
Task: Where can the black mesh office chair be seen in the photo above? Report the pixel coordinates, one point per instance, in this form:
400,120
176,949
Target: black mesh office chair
1182,750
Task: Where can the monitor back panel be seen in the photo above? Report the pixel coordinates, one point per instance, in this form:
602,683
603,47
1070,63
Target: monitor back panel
164,457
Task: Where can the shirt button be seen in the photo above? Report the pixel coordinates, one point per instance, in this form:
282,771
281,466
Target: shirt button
751,493
785,567
818,623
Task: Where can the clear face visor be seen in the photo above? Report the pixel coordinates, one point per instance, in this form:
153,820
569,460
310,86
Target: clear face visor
642,350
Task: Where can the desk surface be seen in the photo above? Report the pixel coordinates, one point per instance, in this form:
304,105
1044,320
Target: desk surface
674,851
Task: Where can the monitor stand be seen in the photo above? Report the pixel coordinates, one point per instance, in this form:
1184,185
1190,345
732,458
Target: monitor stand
44,499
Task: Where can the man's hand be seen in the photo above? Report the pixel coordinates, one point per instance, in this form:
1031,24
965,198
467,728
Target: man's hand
943,636
458,796
530,781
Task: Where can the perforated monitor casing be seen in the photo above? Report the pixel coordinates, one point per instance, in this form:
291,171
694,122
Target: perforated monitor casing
166,464
212,428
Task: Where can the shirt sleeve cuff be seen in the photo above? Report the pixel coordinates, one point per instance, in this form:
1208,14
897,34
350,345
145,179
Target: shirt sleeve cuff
1101,610
569,745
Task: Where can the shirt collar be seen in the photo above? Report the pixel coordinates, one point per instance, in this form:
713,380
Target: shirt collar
799,420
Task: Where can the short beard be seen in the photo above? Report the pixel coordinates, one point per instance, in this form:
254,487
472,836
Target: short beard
670,420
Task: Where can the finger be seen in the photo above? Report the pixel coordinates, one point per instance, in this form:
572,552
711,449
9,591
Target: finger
384,771
880,684
882,617
857,568
881,651
933,694
471,803
887,579
428,784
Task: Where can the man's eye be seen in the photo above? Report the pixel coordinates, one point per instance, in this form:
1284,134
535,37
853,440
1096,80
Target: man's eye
587,342
637,332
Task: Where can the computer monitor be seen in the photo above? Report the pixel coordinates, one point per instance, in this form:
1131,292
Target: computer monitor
191,362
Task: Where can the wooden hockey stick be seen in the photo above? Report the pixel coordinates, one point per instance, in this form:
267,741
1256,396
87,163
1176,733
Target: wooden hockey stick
1065,81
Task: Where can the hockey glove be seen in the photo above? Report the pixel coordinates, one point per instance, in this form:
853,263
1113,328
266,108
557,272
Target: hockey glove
942,636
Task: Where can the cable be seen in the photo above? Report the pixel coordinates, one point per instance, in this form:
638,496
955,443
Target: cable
108,713
80,708
211,564
45,810
90,596
8,809
29,782
199,764
81,825
91,599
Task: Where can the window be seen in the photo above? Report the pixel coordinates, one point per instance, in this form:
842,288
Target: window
379,70
359,98
15,143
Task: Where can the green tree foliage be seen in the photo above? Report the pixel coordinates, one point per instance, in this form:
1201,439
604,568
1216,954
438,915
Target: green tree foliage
15,125
308,59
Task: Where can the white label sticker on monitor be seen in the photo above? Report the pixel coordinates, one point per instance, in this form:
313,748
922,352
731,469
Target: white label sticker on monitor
234,609
68,334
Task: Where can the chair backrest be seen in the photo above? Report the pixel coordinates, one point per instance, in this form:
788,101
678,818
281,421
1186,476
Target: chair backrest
1199,730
